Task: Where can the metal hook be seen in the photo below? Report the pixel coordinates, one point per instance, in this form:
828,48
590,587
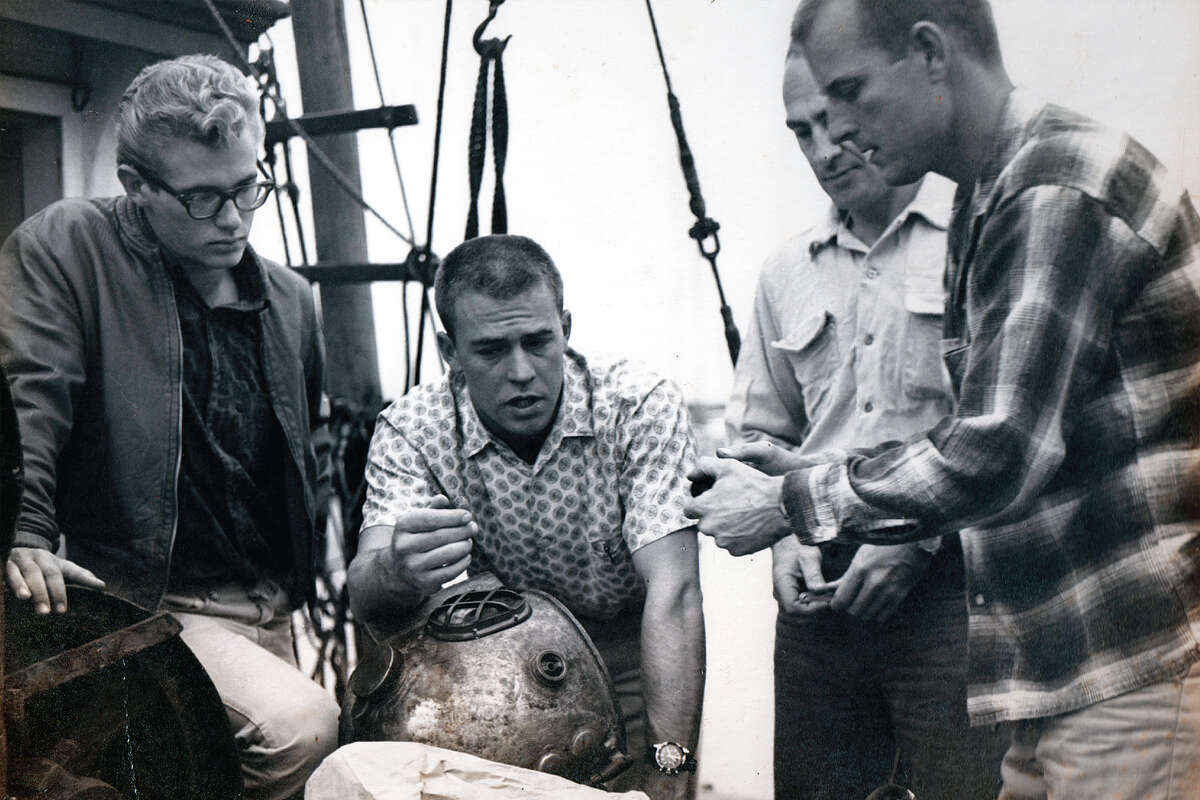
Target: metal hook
477,39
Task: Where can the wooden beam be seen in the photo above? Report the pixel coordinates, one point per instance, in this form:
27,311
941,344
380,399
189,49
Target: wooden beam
319,27
326,122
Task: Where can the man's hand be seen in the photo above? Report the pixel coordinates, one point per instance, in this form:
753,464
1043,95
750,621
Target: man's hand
741,510
398,566
800,586
39,575
431,546
878,580
767,457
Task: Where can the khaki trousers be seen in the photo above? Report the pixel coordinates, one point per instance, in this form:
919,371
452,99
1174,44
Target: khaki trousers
284,723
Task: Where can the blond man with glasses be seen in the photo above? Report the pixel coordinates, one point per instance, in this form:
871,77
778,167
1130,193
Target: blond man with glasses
168,382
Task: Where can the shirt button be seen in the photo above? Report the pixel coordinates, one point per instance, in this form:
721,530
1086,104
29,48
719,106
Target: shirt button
868,407
869,339
980,600
872,273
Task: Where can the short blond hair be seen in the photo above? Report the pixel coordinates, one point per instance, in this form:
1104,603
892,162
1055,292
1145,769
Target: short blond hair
197,97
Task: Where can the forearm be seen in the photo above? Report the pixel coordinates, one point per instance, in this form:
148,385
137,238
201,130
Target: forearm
673,663
1037,339
374,593
830,501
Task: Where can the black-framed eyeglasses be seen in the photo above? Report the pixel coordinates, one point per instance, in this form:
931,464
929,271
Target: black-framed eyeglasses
206,202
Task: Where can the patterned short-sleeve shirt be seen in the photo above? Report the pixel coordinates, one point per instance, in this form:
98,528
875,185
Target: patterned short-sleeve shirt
609,479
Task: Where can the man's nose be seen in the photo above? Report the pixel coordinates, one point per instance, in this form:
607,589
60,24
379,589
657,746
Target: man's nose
825,149
841,123
520,367
228,216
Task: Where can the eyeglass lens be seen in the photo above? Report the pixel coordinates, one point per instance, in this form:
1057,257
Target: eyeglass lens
247,198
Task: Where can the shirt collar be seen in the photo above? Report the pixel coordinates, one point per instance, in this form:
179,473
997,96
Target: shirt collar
933,202
249,276
574,416
1020,111
138,236
826,232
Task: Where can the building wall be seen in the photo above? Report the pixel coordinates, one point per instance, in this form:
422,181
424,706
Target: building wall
45,51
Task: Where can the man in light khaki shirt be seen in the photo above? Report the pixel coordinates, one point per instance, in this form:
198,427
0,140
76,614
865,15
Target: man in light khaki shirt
843,352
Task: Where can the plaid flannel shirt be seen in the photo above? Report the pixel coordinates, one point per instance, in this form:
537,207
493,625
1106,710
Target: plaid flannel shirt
1072,462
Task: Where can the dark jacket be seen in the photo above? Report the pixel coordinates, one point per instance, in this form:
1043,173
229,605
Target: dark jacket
89,335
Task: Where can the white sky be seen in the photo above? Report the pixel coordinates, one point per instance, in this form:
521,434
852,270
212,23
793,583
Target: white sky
592,168
593,175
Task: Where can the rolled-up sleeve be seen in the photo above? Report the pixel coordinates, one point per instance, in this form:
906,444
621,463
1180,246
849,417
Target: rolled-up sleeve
660,450
767,403
397,477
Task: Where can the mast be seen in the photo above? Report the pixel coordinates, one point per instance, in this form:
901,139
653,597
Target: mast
319,28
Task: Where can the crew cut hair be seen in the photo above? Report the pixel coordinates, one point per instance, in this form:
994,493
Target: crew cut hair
197,97
889,23
498,266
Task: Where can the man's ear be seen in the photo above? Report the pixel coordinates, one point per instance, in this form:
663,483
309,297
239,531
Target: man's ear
566,324
930,42
135,185
445,346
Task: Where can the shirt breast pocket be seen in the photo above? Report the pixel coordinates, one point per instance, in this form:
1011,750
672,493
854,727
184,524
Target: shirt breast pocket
922,373
811,350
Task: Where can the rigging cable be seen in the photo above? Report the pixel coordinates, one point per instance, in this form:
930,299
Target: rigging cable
266,64
269,159
437,149
293,191
314,150
362,5
705,228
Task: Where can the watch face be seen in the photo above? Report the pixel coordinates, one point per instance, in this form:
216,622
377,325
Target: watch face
670,756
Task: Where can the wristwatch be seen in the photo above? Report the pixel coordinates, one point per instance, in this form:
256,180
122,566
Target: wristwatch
670,758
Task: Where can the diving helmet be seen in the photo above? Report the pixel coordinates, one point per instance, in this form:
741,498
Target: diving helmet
505,675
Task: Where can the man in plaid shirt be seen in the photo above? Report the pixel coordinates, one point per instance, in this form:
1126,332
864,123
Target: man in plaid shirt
1072,462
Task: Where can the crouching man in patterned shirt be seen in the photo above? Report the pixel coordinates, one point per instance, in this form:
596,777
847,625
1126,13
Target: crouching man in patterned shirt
552,473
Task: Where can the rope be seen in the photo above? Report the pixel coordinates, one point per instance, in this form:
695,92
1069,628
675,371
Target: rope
705,228
499,148
314,150
491,51
477,148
